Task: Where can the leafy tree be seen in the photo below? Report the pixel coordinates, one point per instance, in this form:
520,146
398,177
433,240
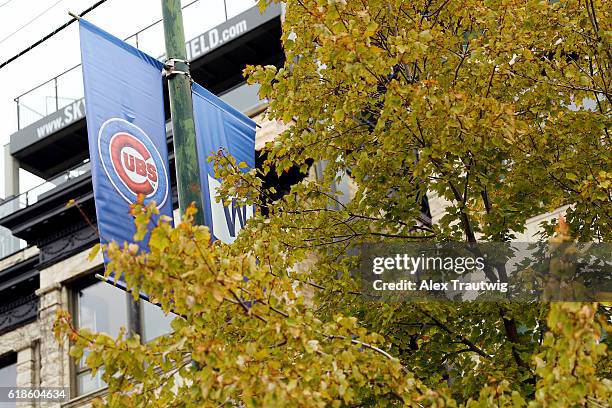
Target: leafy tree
262,342
500,109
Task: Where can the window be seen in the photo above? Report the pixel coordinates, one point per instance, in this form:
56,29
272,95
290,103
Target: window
104,308
282,184
155,322
101,308
8,375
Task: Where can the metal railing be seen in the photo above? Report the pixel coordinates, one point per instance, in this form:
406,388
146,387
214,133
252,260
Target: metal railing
33,195
66,88
10,244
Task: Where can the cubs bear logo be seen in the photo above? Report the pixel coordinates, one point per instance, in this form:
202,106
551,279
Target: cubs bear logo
132,162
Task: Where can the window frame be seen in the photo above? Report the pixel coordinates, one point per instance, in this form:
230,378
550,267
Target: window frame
9,359
74,289
134,317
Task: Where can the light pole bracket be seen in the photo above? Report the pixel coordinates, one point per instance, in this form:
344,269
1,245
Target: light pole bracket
170,68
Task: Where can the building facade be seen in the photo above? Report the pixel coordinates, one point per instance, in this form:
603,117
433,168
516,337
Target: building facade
44,244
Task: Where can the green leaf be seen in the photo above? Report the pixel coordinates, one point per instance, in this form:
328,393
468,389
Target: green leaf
571,176
94,252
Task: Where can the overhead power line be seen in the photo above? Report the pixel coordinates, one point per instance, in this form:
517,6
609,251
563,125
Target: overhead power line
5,3
31,21
51,34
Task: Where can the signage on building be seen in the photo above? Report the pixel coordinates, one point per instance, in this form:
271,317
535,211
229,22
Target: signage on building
229,30
207,42
48,125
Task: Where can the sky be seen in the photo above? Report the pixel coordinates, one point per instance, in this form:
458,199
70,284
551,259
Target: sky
22,22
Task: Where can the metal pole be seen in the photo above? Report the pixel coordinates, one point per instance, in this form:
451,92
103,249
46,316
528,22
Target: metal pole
56,95
181,109
18,114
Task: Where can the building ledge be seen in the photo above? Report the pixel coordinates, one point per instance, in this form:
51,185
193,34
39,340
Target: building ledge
83,400
18,312
19,256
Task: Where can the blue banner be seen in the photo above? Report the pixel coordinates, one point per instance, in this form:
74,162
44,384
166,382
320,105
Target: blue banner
126,129
220,126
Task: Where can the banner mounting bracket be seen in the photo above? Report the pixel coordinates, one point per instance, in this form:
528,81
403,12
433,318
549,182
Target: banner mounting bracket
170,68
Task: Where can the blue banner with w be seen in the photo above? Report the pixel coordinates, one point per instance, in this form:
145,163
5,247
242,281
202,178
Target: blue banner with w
126,130
220,126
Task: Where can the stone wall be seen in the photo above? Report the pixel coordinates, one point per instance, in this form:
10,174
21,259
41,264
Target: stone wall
41,360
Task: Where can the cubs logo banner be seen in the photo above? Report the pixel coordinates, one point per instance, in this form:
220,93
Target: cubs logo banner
126,130
220,126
